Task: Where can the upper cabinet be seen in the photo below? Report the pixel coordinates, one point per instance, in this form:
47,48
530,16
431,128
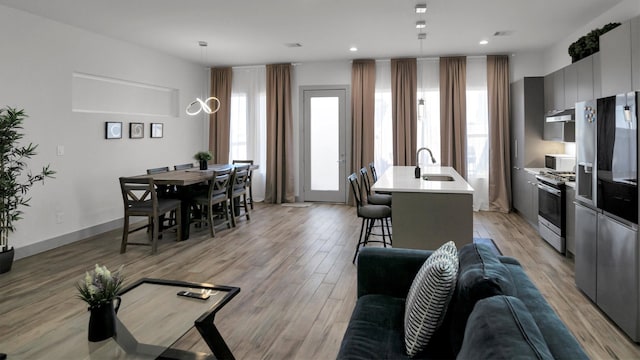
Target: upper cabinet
615,60
584,79
570,86
554,92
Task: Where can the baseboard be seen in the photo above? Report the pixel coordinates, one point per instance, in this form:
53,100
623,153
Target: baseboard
58,241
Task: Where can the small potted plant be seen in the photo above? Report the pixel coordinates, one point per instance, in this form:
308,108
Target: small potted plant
100,288
15,178
203,157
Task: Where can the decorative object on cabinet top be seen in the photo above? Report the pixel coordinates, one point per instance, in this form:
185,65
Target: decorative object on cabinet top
589,43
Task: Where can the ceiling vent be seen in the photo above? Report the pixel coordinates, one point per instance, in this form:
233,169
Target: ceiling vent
503,33
293,45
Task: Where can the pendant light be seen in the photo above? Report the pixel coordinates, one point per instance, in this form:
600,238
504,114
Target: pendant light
198,105
421,37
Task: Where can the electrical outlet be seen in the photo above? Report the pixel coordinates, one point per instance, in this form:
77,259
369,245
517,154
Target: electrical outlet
59,217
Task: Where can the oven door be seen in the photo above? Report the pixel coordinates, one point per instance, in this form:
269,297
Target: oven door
550,206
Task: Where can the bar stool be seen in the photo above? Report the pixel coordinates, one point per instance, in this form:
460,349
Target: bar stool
373,198
369,214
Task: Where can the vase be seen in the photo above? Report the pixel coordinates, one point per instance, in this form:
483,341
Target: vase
204,165
102,321
6,260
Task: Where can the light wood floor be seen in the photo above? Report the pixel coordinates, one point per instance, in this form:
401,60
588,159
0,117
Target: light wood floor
298,283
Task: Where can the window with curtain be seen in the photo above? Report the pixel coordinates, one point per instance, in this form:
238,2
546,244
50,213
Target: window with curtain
383,131
247,132
478,131
429,113
429,120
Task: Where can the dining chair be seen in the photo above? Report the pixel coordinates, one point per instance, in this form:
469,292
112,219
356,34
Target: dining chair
238,192
249,179
183,166
140,198
164,191
369,214
218,194
372,197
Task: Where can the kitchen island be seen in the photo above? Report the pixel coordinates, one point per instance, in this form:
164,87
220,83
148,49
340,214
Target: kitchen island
426,213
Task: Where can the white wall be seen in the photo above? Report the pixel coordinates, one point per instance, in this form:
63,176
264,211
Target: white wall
38,59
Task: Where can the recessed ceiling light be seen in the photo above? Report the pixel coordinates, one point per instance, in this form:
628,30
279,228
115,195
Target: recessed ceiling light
353,49
421,24
421,8
483,42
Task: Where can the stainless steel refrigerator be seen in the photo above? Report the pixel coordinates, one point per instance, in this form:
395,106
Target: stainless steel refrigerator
607,258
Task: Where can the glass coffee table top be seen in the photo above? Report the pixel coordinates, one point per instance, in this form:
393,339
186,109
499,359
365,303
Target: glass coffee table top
151,318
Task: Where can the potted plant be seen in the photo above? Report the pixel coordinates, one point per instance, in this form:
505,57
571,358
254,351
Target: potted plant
15,178
589,43
203,157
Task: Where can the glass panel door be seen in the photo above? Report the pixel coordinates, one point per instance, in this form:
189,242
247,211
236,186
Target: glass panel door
324,161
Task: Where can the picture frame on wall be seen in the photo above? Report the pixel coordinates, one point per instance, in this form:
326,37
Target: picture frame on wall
136,130
157,130
113,130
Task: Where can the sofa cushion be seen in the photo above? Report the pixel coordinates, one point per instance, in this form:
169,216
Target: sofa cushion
481,275
500,327
429,297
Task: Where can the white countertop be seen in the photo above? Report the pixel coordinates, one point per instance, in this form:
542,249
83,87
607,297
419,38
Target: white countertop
402,179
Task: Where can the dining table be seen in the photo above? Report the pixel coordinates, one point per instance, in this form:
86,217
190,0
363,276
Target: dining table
185,181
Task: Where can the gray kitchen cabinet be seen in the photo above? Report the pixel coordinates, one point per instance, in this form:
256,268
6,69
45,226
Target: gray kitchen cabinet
585,75
554,92
615,60
635,52
570,75
532,211
597,76
527,145
570,196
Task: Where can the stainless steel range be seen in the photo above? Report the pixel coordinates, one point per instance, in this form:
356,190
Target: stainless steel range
551,207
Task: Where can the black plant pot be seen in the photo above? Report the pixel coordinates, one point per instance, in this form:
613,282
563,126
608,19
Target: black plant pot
203,165
6,260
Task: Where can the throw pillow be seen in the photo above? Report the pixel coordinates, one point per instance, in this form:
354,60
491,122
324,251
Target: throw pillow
501,327
429,297
482,275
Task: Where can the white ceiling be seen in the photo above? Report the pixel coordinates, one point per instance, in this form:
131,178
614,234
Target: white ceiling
248,32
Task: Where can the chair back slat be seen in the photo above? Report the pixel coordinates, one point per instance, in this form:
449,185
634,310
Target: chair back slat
138,191
157,170
365,180
240,178
183,166
219,182
374,174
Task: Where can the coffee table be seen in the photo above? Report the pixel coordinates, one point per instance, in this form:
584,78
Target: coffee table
151,319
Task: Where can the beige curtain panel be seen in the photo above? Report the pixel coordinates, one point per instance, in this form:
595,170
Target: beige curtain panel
363,83
279,172
219,122
453,113
499,151
404,85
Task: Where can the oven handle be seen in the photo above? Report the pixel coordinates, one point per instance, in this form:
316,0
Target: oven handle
549,189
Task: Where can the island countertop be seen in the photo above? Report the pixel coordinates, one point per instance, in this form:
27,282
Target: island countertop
402,179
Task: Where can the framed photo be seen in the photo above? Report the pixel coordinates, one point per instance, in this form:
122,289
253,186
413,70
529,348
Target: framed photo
156,130
136,130
113,130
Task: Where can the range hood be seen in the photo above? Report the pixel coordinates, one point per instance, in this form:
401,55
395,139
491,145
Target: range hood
564,115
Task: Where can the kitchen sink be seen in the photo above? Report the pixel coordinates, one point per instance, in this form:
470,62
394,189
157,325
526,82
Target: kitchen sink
437,177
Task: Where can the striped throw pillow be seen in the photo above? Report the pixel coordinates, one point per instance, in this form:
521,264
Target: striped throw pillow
429,296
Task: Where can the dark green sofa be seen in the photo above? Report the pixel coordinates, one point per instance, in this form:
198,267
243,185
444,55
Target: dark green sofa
496,311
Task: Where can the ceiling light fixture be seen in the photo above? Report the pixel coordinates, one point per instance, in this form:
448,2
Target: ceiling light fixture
484,42
203,105
421,24
422,36
421,8
353,49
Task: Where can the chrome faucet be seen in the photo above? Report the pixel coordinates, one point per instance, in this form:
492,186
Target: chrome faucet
433,160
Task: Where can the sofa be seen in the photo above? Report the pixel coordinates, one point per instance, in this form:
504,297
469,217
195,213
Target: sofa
495,311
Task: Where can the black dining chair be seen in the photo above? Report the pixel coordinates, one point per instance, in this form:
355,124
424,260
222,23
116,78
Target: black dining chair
249,179
370,214
372,197
140,198
217,194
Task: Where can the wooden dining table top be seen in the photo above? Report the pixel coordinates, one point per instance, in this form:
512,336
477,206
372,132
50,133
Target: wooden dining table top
189,176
